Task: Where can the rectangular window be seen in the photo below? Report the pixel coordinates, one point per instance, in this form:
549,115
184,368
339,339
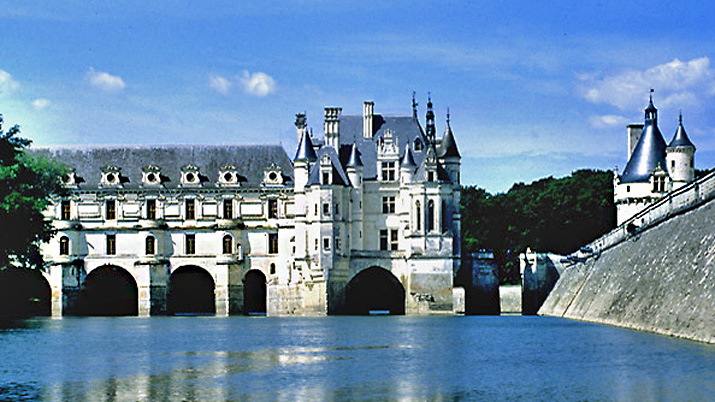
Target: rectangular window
227,209
383,239
150,246
326,178
393,239
111,209
111,244
316,244
190,209
388,204
337,244
430,176
151,209
65,211
190,244
326,209
272,243
388,171
337,209
326,243
273,209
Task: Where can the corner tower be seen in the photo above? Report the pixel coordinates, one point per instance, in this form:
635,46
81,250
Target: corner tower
680,157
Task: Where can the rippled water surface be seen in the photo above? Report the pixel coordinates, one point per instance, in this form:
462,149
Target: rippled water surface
344,359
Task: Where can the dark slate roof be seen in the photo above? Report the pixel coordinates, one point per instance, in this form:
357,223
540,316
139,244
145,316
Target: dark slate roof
647,155
448,147
680,139
250,161
405,129
339,176
305,149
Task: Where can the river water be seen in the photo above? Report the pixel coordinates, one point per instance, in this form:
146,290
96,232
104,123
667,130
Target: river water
346,359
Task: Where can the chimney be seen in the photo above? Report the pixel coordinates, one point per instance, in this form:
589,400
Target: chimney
367,115
300,125
332,127
634,134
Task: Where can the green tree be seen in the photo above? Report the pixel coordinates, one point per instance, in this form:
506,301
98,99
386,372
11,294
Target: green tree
557,215
26,184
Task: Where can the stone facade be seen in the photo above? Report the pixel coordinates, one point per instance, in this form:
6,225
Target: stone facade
364,219
653,168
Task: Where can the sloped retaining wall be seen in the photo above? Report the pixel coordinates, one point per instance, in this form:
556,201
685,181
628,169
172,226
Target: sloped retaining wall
661,279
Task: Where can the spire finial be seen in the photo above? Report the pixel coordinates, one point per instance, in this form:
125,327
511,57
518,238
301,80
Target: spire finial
651,94
414,105
680,117
447,114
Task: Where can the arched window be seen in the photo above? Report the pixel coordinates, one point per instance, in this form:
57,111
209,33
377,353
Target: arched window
150,245
227,244
64,245
430,216
273,269
418,216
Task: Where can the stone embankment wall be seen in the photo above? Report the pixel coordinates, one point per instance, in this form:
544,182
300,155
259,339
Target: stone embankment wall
658,278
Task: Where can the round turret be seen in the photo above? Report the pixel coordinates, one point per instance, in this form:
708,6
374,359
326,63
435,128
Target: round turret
680,157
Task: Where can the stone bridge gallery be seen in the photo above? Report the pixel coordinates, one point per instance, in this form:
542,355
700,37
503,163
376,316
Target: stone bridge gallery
364,218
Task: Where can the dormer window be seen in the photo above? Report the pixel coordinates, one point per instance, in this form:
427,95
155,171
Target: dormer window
388,171
151,175
228,175
70,179
418,145
273,175
190,175
111,176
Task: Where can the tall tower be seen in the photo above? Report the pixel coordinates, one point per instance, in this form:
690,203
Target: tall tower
680,157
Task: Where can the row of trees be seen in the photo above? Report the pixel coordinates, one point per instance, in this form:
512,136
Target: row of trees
556,215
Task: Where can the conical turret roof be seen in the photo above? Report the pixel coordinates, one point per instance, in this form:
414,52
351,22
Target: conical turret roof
680,139
448,147
305,150
648,154
354,160
408,160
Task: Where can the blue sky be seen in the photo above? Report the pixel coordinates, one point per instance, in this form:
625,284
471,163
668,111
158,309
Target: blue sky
534,88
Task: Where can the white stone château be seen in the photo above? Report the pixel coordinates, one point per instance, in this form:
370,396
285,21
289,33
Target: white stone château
654,168
364,219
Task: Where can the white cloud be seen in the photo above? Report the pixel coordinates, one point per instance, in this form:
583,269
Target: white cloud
41,103
608,121
677,83
7,83
105,81
258,83
220,84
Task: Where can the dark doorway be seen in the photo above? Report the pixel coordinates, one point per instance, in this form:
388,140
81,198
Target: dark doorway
374,291
254,293
24,293
191,292
109,291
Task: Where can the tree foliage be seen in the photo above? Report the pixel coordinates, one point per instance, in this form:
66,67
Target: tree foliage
26,184
556,215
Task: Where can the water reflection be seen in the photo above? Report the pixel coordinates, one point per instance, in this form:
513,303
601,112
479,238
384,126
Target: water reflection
346,358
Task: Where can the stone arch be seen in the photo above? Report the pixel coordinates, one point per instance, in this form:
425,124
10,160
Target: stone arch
374,290
191,292
255,292
109,290
24,293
